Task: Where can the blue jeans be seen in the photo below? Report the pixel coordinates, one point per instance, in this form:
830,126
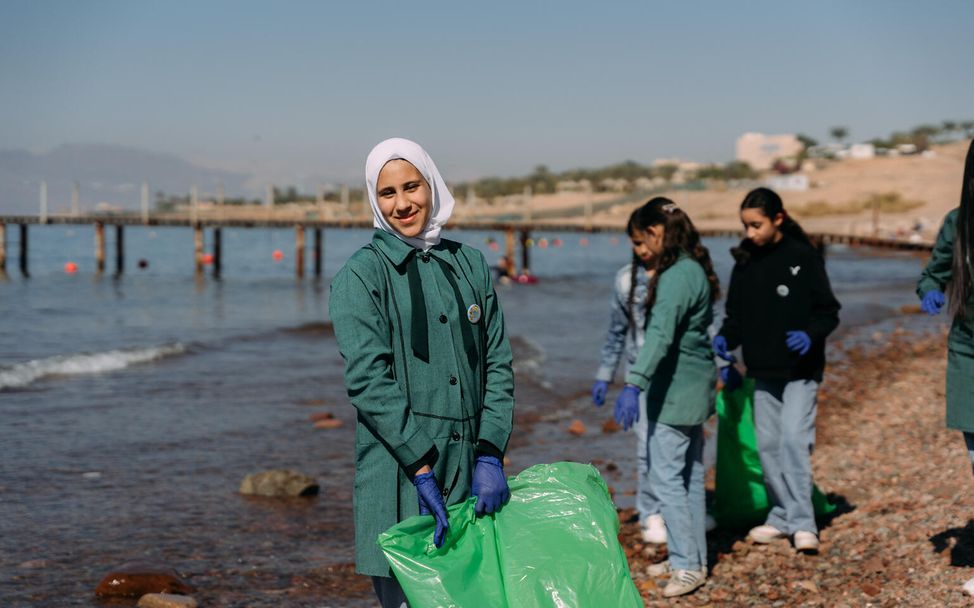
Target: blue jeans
647,503
784,420
677,476
969,440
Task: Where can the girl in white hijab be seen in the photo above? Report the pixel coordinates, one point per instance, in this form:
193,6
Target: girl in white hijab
397,148
427,365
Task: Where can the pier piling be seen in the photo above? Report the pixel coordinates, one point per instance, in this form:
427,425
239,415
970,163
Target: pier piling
217,252
3,249
119,249
198,247
525,252
509,252
23,250
317,252
99,247
299,251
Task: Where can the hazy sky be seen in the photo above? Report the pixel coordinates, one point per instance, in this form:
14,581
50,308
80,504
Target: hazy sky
302,90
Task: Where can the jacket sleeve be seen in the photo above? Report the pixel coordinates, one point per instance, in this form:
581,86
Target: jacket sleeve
497,417
672,304
938,271
731,327
362,330
824,317
615,339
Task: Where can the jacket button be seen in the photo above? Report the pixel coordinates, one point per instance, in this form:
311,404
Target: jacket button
446,492
443,319
453,380
455,436
425,257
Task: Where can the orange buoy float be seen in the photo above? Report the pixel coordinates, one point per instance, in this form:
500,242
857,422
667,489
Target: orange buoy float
543,243
278,255
557,242
70,268
583,241
494,246
207,258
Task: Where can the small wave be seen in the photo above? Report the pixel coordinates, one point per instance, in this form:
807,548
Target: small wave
23,374
315,328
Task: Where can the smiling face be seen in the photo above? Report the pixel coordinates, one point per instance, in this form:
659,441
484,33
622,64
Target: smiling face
760,228
404,197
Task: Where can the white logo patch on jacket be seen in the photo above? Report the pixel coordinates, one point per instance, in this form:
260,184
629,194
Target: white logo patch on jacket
794,270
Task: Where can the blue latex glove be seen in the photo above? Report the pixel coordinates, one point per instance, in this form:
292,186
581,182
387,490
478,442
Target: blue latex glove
720,348
431,501
932,302
599,389
627,407
798,341
731,378
489,485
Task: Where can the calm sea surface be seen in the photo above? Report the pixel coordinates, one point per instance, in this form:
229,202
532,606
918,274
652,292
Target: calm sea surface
132,407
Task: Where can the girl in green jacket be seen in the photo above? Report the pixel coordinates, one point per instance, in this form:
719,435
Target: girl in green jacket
950,269
427,362
675,368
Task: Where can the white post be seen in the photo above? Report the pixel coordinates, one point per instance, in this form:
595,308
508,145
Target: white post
145,202
193,205
76,199
43,202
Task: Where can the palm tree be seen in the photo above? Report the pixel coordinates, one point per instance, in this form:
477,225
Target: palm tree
839,133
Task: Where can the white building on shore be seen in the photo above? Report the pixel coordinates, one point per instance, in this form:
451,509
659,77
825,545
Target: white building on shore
760,150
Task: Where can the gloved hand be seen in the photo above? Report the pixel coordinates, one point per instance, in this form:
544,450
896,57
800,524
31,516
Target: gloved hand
627,407
431,501
599,389
720,348
731,378
489,485
932,302
798,341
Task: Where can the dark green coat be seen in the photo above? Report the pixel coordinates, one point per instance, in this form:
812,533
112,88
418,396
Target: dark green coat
675,366
419,379
960,343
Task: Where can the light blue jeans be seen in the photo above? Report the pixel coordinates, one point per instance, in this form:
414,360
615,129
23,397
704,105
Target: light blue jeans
677,476
969,440
647,503
784,420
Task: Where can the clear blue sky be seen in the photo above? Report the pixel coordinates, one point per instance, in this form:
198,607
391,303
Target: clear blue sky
301,90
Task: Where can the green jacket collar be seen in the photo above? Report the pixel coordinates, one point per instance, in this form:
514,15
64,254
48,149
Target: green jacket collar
398,251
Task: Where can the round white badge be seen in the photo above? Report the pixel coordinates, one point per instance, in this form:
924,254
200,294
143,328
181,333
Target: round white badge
782,290
473,313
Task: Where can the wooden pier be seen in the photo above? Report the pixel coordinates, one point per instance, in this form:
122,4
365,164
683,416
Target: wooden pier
516,232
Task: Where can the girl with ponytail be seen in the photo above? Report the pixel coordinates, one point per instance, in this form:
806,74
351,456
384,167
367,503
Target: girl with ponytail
675,371
779,310
950,270
627,326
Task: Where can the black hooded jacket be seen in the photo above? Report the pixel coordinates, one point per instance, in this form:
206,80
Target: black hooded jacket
775,289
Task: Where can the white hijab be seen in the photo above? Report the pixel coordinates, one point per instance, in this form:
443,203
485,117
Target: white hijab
442,201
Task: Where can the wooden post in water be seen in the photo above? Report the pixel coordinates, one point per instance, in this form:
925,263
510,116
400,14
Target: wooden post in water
525,249
43,202
3,249
198,247
119,248
99,247
145,203
509,252
23,250
317,253
299,251
217,252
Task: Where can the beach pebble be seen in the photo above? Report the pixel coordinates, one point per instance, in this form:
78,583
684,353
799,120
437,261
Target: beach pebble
135,579
576,427
316,416
33,564
610,426
329,423
166,600
279,482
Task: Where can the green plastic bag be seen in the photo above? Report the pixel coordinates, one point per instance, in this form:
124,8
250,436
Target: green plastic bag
554,544
740,499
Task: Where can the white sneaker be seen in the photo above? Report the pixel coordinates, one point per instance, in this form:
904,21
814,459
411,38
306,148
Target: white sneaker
683,582
654,530
765,534
806,542
968,586
659,569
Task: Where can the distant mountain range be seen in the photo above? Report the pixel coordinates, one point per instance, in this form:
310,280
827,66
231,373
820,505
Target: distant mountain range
105,173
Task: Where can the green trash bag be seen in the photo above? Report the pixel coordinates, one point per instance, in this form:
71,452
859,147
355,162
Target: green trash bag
554,544
740,499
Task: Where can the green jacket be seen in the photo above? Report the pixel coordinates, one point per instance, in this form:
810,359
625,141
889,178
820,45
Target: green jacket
960,342
675,365
428,384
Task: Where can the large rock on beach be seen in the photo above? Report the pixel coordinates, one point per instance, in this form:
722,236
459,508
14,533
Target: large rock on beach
136,579
166,600
279,483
